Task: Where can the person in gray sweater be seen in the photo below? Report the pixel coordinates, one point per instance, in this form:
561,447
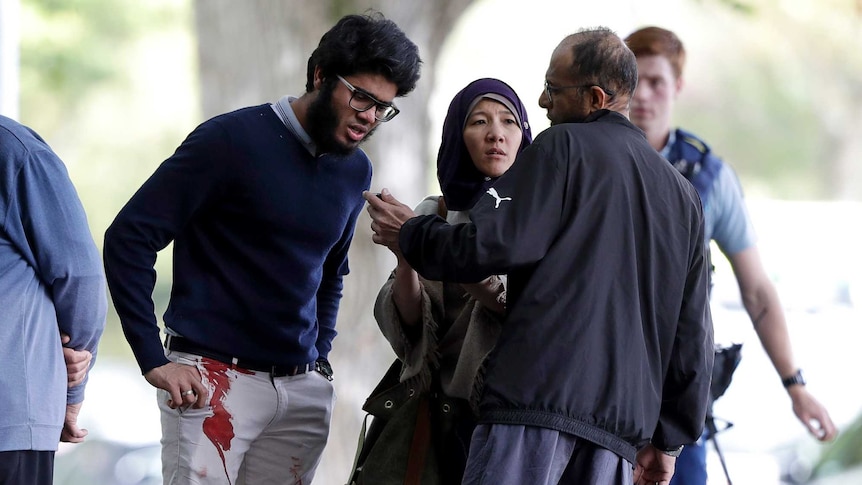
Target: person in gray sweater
52,293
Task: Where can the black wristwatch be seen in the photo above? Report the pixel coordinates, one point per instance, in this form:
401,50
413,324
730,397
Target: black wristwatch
673,452
325,369
794,379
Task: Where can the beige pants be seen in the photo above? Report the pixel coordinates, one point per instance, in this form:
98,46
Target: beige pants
255,429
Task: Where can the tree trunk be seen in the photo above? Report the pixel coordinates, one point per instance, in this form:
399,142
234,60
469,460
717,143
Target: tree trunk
255,51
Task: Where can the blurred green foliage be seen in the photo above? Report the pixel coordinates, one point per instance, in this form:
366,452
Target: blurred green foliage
843,454
70,48
767,135
776,89
110,85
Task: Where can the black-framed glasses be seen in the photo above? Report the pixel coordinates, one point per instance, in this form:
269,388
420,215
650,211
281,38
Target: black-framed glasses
549,90
361,100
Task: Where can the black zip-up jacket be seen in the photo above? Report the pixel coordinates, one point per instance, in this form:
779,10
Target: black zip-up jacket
608,334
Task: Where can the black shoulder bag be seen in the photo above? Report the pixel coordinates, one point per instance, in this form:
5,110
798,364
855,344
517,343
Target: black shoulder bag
399,447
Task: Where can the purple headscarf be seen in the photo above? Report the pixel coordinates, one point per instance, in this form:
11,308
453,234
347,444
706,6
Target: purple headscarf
462,183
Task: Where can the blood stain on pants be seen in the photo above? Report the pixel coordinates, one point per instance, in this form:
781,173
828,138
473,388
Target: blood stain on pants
218,427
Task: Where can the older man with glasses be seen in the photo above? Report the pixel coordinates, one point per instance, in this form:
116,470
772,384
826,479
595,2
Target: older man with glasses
261,206
550,90
601,372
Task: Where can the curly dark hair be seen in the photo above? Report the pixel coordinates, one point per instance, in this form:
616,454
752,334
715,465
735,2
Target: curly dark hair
367,43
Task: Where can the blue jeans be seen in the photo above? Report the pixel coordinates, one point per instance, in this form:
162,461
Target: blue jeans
691,465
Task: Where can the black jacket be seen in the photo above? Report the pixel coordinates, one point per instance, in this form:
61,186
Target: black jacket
608,334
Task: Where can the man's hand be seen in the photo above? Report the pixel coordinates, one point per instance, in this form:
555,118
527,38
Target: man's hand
77,362
183,382
71,432
812,414
653,467
387,217
490,292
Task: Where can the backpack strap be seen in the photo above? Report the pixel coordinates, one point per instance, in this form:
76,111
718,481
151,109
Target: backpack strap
420,444
361,442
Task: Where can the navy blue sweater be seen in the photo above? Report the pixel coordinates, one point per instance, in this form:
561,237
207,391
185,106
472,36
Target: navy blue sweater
261,230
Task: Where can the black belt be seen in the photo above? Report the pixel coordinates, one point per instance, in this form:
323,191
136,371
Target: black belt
181,344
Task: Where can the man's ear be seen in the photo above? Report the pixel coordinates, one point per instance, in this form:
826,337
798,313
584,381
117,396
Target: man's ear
678,85
318,77
599,99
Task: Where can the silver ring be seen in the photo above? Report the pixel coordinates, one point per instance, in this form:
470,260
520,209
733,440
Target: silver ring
188,393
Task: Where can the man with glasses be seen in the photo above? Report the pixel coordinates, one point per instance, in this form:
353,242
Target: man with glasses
602,369
550,90
661,57
261,205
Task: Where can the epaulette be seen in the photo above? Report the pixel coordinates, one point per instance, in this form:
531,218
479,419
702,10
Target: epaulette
695,142
692,157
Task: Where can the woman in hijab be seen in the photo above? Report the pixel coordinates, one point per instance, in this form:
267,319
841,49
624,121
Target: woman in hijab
442,332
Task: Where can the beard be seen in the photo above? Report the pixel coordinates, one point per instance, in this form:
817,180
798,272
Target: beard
323,121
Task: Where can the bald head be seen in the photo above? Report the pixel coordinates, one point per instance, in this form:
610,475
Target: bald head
601,57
